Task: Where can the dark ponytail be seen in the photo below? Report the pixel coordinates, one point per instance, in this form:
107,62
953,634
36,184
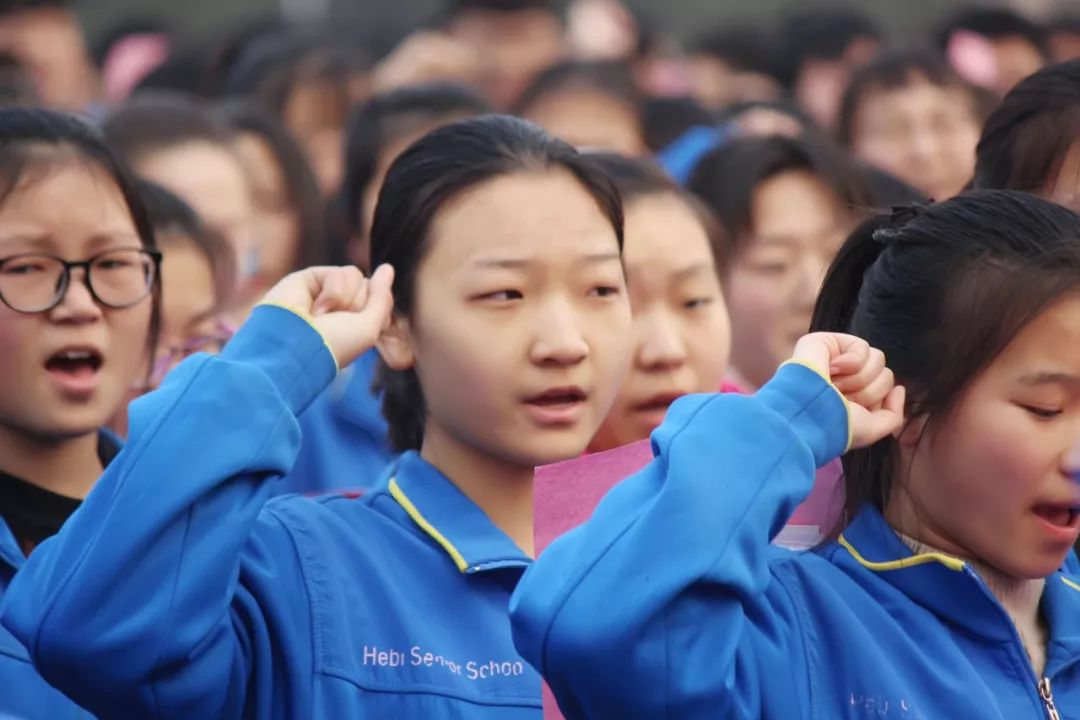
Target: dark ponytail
840,291
833,312
403,406
942,290
434,170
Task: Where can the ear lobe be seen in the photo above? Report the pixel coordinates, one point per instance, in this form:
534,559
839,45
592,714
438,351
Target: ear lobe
910,432
395,344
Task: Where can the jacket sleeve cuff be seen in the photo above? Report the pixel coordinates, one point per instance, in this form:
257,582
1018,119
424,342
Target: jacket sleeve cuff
288,349
817,412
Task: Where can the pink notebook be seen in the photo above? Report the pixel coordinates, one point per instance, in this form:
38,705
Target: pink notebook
567,492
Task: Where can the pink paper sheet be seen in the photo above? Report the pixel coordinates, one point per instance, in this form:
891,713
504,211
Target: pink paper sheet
567,492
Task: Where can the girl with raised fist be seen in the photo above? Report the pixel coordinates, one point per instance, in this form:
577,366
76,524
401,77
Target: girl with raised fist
499,307
942,596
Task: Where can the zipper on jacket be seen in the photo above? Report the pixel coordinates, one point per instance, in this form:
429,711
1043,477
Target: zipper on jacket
1047,695
1042,687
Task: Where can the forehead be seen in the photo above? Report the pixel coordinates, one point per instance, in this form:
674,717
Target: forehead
533,214
589,118
579,103
68,198
795,204
917,92
1049,343
209,177
662,231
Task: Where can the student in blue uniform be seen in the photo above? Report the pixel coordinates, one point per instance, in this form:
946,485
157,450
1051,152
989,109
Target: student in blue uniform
345,445
78,314
178,591
941,598
1031,143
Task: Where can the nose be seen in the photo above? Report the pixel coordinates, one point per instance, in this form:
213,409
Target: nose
1070,461
924,146
660,345
812,271
559,340
78,304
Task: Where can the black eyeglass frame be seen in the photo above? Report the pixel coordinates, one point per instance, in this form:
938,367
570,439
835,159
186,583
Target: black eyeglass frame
86,265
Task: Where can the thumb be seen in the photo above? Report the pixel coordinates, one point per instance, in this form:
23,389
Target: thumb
380,298
869,426
370,313
351,332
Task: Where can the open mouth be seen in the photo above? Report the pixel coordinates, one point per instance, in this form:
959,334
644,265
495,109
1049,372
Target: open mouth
77,364
558,398
1057,515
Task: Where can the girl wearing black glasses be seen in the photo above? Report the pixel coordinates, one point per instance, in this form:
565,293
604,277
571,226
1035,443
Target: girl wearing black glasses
78,314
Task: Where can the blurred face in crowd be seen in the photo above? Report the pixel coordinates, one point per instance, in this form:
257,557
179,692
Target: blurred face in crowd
821,82
1065,187
49,43
923,133
717,84
515,45
681,331
1016,59
276,223
315,113
211,179
589,119
188,302
797,226
1064,45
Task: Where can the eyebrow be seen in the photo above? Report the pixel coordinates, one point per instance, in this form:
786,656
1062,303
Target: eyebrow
1050,378
518,263
794,240
96,240
695,269
37,238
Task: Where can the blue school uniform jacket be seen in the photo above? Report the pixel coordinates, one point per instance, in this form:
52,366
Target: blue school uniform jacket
23,692
177,591
671,603
345,444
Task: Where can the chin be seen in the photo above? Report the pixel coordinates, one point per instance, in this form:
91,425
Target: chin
71,424
1036,565
548,450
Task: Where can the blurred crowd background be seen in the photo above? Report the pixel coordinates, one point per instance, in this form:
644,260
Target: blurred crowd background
274,123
